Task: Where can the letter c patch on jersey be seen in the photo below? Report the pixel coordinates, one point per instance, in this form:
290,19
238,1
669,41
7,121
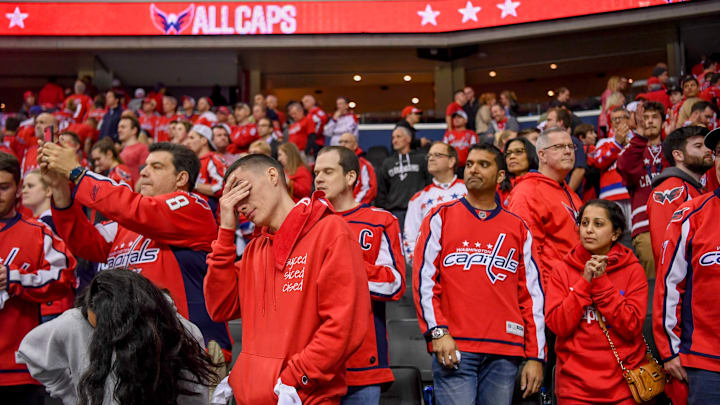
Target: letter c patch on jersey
363,239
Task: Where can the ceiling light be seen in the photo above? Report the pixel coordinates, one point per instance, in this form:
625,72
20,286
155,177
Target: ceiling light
352,104
407,78
492,73
415,100
630,81
551,93
357,78
553,66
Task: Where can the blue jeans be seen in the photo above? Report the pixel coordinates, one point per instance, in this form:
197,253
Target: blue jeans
480,379
362,395
704,386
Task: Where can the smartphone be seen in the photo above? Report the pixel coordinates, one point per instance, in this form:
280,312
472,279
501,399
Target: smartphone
48,135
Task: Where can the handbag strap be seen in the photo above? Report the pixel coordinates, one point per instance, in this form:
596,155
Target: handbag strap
600,321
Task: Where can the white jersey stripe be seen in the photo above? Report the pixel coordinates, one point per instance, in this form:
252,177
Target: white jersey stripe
676,274
57,260
532,282
427,271
385,258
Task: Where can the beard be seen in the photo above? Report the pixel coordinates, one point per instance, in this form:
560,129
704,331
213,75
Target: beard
698,165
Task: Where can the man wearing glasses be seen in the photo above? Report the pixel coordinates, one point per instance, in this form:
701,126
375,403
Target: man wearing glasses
445,187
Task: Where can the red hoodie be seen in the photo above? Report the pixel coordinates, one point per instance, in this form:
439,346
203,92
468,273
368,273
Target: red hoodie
302,294
586,367
549,208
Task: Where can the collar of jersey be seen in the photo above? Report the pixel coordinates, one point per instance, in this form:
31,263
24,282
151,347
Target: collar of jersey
8,223
473,210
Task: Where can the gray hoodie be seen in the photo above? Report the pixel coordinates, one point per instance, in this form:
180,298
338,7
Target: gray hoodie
56,353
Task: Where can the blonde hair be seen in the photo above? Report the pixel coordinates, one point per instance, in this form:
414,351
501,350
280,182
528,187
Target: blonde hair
40,177
614,100
294,159
613,83
501,137
262,145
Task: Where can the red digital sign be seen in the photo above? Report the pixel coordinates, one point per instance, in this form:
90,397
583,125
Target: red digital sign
289,17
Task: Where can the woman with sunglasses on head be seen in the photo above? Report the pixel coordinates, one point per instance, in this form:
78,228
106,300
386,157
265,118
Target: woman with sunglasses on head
124,344
520,158
598,277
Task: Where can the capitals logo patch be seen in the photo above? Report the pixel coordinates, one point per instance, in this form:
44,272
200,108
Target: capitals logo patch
171,23
661,197
679,214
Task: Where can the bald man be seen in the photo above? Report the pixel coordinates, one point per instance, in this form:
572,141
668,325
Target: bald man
365,189
42,122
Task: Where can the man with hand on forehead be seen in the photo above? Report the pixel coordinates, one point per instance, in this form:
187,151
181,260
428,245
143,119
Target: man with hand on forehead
301,289
378,234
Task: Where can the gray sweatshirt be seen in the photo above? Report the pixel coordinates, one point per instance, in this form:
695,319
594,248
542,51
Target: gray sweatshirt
56,353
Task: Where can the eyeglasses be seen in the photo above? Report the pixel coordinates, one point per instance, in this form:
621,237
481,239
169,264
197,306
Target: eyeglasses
620,118
511,152
436,155
561,147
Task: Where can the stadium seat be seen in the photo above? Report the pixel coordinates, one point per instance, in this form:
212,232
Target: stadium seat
236,333
404,308
408,347
407,388
376,154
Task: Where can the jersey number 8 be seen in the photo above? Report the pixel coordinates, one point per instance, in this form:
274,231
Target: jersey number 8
177,202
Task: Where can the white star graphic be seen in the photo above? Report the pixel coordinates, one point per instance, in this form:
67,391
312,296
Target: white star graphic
646,161
477,244
489,246
428,15
508,8
469,12
16,18
466,243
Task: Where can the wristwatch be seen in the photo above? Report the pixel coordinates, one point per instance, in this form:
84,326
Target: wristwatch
437,333
76,173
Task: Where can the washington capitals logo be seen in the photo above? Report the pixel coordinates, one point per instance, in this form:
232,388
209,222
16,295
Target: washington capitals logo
661,197
678,215
573,213
171,23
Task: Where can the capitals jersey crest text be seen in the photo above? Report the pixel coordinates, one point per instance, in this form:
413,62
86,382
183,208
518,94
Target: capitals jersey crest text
484,255
171,23
126,257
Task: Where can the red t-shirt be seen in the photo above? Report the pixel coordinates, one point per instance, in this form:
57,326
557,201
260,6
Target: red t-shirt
299,131
134,156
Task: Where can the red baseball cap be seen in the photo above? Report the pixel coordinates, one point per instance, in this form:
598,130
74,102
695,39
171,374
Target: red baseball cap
410,110
28,94
223,110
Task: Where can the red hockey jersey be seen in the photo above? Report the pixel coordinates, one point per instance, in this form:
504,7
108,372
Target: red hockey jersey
122,174
550,209
494,308
299,132
165,238
212,171
685,306
604,158
378,233
319,119
149,123
40,269
584,357
302,294
638,164
672,188
79,106
366,187
162,130
461,140
242,136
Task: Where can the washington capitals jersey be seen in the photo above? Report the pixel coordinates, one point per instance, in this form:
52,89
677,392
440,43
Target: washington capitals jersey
212,171
165,238
40,269
604,158
378,234
366,187
685,307
423,202
474,274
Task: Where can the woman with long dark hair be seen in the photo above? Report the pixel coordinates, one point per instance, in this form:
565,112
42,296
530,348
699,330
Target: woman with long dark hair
520,158
598,279
298,175
123,344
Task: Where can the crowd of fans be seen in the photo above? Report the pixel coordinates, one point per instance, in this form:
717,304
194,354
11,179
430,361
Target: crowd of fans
567,219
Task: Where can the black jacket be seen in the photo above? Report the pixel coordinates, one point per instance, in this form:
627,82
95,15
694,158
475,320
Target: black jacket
400,178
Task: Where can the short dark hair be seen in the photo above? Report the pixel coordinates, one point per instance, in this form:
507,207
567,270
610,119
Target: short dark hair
254,161
527,131
347,159
450,150
488,147
677,140
615,214
12,124
688,78
700,106
72,135
183,159
455,93
10,164
582,130
106,145
562,116
134,123
655,106
530,152
712,78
